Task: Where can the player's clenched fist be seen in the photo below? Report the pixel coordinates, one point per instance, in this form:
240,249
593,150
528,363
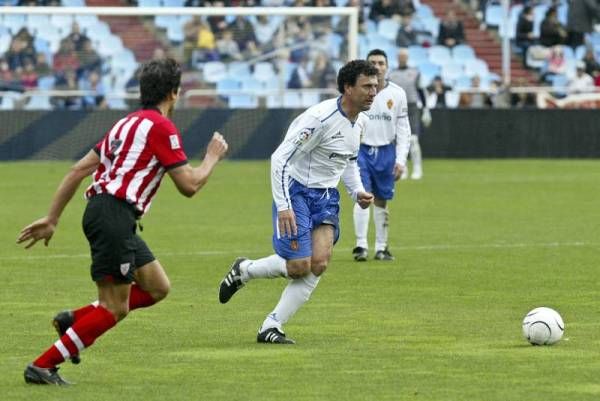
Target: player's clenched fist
217,146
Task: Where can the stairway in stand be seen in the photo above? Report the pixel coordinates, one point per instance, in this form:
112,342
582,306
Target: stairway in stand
486,43
135,35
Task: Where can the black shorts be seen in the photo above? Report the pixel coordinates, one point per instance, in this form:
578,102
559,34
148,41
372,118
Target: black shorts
117,251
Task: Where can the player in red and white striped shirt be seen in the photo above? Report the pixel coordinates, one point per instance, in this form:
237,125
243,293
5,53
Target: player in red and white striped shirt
128,165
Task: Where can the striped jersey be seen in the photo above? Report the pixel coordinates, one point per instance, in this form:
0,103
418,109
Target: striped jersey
320,147
388,121
134,156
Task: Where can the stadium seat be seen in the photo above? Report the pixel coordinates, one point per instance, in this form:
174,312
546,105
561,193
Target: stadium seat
580,52
431,25
462,53
35,21
46,83
439,55
39,102
424,11
110,45
462,82
226,86
539,12
274,102
5,39
173,3
310,98
243,102
14,22
452,99
175,33
493,15
263,71
61,21
451,72
559,83
476,67
292,100
213,71
165,21
253,86
86,21
73,3
98,32
7,102
417,55
388,28
562,13
149,3
428,71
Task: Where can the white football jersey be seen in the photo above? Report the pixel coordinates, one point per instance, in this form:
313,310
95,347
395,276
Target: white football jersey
388,121
320,147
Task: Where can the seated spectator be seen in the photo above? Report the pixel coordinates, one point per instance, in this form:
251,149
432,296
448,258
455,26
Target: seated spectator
581,82
552,32
407,8
406,36
300,76
228,48
323,74
205,48
524,35
88,58
28,76
555,64
217,23
382,9
77,37
20,49
265,28
581,17
451,31
475,98
93,83
68,82
591,65
42,68
522,99
243,34
66,58
436,93
321,23
7,78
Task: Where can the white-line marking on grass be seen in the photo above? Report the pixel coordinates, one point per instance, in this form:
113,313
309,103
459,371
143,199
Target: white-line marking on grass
431,247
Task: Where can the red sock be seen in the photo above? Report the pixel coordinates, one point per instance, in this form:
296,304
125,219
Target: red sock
79,336
139,298
84,310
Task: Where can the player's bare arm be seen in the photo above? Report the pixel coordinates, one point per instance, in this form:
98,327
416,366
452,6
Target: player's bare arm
287,223
44,228
398,170
188,179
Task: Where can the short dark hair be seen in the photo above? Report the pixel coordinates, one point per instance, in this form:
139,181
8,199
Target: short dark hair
349,73
378,52
158,79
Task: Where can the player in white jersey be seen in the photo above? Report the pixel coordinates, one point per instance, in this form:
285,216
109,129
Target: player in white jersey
320,147
382,158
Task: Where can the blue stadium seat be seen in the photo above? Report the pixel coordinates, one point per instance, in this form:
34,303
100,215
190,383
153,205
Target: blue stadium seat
86,21
476,67
149,3
164,21
264,71
110,45
388,28
175,33
243,102
14,22
39,102
239,70
254,86
173,3
292,100
213,71
462,82
417,55
439,55
226,86
431,25
46,83
63,21
37,20
424,11
493,15
452,99
539,12
5,39
462,53
580,52
428,71
7,102
451,71
73,3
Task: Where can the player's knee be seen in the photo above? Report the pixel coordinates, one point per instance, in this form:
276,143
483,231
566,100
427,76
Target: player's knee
318,266
118,310
161,291
298,268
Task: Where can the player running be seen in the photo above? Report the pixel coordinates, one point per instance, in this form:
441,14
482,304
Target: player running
128,165
320,147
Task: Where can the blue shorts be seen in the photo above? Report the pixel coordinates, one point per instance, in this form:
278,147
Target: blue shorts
312,207
376,164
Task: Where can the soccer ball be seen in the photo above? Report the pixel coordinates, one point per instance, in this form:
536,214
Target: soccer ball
543,326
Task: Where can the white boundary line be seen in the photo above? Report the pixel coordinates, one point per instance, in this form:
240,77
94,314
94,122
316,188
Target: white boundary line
433,247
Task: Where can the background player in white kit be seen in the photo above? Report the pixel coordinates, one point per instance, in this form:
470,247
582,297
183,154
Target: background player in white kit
320,147
382,158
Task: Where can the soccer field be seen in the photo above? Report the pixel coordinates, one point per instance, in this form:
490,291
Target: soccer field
477,244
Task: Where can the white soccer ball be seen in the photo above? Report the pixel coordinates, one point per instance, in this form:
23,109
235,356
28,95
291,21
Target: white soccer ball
543,326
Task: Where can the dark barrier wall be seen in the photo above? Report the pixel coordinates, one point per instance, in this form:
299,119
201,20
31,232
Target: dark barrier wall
254,134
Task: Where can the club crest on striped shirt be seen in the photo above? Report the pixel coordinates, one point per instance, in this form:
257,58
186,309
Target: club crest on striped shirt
125,268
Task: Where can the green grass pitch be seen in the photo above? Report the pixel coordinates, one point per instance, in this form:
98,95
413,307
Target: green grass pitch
477,245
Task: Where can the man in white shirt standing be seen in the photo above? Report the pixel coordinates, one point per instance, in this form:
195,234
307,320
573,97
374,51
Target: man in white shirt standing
320,147
382,158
